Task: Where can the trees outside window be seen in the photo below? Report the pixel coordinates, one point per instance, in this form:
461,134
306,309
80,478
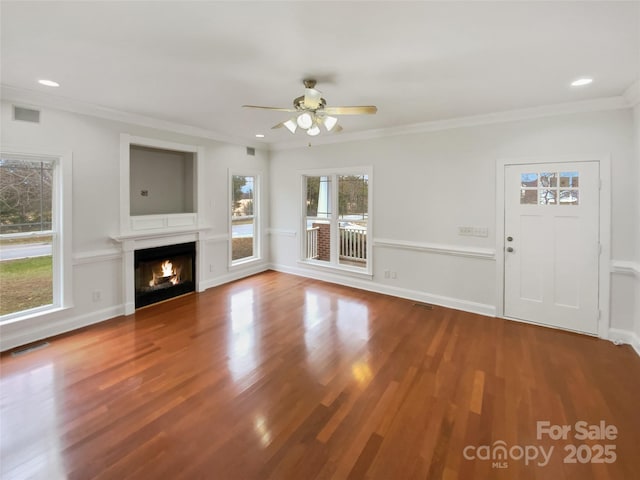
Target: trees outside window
27,234
337,236
244,224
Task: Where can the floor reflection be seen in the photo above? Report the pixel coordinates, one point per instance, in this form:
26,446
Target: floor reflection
29,445
241,344
262,430
336,329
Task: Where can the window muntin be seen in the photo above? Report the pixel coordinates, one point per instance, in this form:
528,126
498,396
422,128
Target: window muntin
353,216
336,221
243,218
318,237
27,234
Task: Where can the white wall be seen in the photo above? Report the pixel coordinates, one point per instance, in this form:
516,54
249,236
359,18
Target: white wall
425,186
428,184
95,145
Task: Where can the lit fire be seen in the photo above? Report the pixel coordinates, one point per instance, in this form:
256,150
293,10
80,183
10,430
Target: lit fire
167,268
169,274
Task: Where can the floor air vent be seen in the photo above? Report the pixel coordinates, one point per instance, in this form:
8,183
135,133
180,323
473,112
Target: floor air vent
428,306
29,349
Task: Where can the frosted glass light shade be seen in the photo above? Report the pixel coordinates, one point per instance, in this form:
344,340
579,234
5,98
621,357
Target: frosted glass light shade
291,125
330,122
304,120
313,131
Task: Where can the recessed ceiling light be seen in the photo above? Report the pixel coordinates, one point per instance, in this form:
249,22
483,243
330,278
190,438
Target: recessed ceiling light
259,135
581,82
49,83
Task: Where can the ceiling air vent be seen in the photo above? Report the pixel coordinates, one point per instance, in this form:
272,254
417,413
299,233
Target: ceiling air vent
251,151
26,114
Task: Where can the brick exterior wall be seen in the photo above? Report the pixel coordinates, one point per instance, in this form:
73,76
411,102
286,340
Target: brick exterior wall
324,241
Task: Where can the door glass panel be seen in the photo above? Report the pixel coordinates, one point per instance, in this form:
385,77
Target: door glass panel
529,197
549,179
529,180
547,196
569,197
569,179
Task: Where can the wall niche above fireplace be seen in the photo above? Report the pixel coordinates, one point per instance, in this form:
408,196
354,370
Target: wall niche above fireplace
159,187
161,181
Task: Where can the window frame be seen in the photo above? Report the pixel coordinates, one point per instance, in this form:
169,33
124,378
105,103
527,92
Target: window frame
334,263
257,232
61,231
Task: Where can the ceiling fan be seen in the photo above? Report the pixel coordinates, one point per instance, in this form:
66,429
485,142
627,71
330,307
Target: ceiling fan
311,112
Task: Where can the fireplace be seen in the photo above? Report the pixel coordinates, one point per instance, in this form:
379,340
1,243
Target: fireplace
164,272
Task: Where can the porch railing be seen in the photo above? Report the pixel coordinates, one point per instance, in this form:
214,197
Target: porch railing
353,244
312,242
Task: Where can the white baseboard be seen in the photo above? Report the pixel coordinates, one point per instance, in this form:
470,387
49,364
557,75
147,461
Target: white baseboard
233,275
625,336
16,334
48,325
455,303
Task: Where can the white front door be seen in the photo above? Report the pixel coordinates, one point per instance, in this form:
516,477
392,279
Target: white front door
552,244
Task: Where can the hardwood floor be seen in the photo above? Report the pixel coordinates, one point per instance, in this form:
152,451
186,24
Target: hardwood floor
281,377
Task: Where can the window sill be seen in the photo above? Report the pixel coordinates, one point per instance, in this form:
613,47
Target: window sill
338,269
238,264
17,317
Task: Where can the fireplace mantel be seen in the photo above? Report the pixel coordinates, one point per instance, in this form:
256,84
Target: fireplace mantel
158,236
132,241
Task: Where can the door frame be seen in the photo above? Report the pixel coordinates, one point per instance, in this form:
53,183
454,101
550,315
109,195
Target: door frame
604,270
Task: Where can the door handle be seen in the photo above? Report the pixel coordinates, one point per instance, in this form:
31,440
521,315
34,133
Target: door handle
509,239
509,249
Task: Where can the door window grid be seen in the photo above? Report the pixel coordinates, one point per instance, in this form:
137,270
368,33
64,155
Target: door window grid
550,188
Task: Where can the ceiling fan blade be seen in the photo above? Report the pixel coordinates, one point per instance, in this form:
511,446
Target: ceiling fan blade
337,129
361,110
279,125
312,98
277,109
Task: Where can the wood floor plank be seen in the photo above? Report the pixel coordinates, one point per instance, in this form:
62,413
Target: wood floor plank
281,377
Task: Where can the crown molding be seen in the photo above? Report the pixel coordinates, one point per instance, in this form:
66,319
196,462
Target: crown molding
33,98
584,106
632,94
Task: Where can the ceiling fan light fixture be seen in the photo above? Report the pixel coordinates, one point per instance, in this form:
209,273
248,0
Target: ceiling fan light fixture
314,130
291,125
330,122
312,98
304,120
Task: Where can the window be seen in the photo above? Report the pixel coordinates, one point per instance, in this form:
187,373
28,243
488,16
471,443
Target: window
28,234
550,188
244,218
337,220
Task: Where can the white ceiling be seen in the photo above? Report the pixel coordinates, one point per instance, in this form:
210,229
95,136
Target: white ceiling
196,63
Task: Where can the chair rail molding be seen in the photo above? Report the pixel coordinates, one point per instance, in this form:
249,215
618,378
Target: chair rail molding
455,250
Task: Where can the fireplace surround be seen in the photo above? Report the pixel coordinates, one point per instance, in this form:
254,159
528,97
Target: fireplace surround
158,224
